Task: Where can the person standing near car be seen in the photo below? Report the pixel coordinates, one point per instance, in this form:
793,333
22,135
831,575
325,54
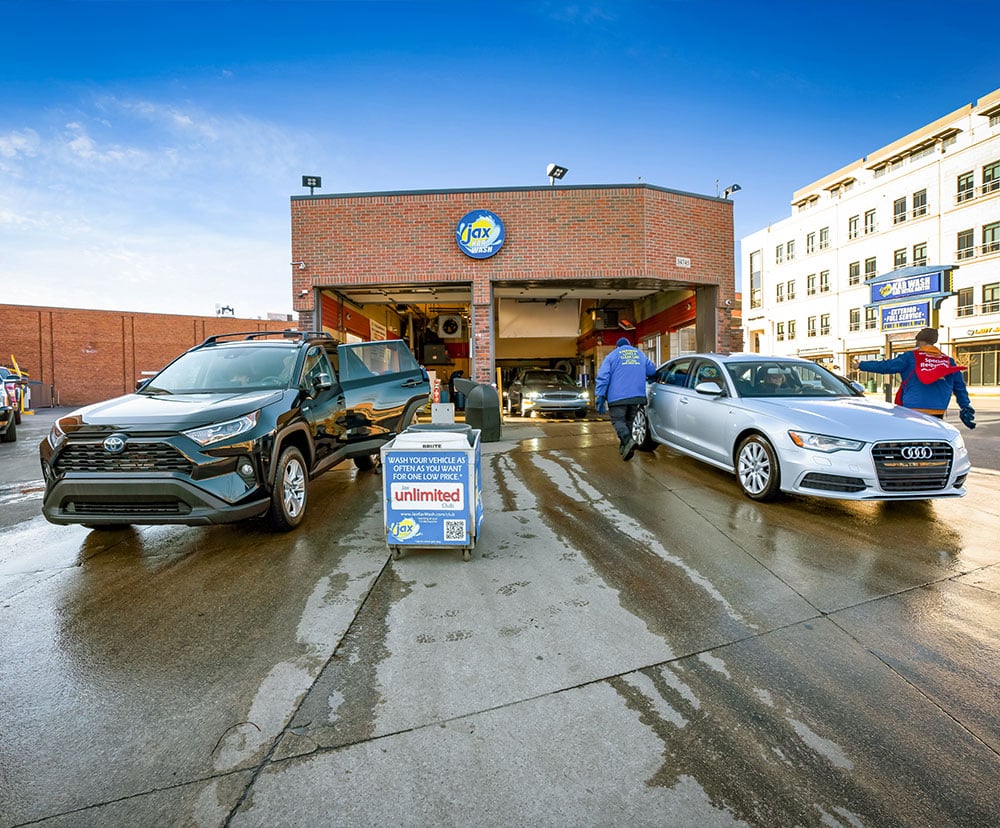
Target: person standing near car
929,378
621,389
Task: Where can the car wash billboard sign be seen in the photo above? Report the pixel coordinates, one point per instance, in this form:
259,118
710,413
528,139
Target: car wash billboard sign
906,287
911,315
480,234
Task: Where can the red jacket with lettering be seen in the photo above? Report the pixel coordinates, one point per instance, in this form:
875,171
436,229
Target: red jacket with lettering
929,376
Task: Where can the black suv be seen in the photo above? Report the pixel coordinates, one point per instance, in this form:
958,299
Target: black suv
233,428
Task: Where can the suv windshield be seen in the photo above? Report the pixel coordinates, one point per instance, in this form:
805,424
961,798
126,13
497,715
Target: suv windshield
228,367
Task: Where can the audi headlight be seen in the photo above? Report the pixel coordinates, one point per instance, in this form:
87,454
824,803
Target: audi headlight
824,442
223,431
531,395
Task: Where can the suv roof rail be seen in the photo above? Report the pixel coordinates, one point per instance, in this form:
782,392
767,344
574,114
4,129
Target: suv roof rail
300,336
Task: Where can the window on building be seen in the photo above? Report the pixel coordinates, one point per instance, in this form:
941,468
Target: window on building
855,320
824,238
899,258
824,281
791,329
780,332
791,290
965,245
920,203
899,210
870,268
779,254
811,326
854,273
779,292
852,227
824,324
991,177
811,284
756,277
810,243
965,297
920,253
991,238
991,298
869,222
966,187
790,250
871,319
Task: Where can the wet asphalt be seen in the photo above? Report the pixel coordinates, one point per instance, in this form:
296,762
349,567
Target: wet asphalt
631,644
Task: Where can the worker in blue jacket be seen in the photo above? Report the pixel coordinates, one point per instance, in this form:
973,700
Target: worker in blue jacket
621,389
929,378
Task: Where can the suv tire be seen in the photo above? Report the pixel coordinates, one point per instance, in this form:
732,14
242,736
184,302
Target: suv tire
366,462
291,491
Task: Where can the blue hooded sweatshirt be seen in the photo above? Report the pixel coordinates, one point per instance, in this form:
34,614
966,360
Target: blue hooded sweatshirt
622,376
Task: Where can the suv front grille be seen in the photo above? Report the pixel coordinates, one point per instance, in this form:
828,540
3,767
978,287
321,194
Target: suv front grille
173,507
138,458
911,467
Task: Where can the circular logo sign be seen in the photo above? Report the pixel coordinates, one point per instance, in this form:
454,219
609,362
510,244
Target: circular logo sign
480,234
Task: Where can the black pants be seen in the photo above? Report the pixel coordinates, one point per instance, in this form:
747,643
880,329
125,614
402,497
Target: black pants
622,415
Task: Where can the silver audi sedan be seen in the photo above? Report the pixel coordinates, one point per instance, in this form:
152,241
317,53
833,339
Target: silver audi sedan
782,424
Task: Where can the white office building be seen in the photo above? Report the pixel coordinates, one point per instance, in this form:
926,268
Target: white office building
904,238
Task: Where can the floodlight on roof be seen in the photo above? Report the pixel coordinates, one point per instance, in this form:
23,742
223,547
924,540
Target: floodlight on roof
554,171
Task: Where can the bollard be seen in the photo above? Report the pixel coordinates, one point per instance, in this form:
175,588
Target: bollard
482,408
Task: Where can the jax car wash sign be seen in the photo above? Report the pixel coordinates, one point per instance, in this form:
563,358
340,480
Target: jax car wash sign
480,234
895,289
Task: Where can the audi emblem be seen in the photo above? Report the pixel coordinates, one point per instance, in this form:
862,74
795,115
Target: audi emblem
115,444
917,452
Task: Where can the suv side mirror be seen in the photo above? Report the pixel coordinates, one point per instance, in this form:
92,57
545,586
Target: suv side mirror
321,382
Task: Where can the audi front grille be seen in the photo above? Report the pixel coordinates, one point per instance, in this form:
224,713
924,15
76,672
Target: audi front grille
913,466
139,457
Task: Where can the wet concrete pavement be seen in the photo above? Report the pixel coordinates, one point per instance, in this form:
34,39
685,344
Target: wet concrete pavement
632,643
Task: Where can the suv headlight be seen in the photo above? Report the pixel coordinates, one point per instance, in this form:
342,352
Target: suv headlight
824,442
206,435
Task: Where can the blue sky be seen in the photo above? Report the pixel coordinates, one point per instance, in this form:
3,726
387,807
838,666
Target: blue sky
148,148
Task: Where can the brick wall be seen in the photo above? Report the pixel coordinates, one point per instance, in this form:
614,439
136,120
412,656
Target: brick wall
90,355
578,233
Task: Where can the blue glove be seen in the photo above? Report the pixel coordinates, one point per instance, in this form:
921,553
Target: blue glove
968,416
600,405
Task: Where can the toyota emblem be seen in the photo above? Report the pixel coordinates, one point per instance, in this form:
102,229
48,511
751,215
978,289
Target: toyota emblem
115,444
917,452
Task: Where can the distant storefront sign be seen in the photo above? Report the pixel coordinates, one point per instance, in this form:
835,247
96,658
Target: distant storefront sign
480,234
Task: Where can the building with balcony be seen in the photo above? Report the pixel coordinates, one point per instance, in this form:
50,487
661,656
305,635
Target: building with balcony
923,212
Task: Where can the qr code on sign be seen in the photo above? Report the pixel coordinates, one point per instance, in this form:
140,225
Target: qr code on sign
454,530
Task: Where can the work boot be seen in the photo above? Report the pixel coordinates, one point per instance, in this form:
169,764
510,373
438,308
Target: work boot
628,449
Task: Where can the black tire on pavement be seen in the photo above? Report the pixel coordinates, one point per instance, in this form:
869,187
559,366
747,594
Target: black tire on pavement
640,431
291,491
757,469
366,462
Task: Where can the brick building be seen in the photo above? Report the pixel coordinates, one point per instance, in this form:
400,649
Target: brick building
84,356
576,267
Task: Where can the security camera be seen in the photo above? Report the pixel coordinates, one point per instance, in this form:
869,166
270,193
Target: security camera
729,303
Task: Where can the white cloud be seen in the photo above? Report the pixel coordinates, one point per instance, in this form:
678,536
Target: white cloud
147,206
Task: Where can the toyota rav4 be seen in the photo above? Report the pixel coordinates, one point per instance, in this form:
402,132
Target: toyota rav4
234,428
